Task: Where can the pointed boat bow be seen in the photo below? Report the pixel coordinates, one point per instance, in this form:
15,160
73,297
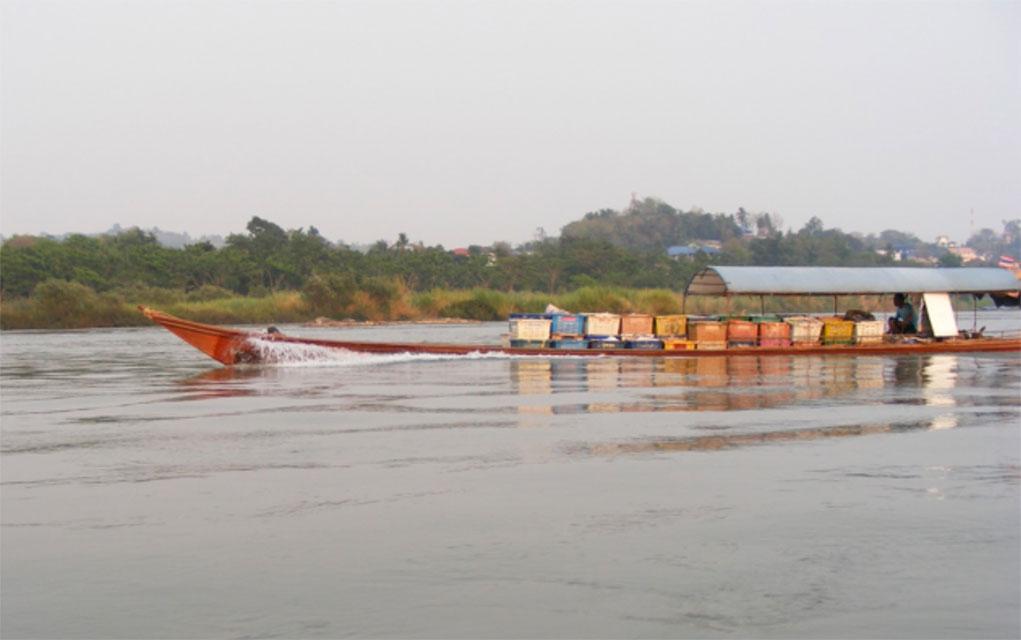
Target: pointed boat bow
224,345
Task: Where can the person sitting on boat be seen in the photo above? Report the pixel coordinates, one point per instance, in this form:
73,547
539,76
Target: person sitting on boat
905,320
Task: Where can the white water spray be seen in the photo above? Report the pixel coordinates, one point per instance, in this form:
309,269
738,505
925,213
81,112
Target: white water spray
294,354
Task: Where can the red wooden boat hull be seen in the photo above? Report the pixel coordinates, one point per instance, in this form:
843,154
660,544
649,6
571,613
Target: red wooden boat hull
233,346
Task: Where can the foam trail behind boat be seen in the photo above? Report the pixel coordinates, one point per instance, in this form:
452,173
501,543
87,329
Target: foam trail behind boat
275,352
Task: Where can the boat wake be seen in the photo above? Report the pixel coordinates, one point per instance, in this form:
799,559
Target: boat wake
291,354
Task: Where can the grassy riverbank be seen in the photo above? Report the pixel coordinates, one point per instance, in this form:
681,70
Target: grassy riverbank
69,305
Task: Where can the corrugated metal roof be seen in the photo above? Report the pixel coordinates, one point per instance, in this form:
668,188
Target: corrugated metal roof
847,281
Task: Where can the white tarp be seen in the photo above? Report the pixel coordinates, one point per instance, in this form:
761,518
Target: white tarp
725,281
941,314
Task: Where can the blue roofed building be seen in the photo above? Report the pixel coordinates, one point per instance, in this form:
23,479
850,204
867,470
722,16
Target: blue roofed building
690,251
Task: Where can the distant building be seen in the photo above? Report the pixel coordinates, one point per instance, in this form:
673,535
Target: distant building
903,252
942,241
966,254
690,251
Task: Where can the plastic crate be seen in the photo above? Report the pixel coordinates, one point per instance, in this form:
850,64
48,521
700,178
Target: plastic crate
774,342
517,343
707,331
674,325
804,330
868,331
602,324
716,345
676,344
569,343
837,331
774,331
570,324
529,328
605,343
742,332
645,343
635,324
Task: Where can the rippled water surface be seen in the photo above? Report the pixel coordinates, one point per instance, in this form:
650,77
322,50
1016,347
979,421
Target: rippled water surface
149,492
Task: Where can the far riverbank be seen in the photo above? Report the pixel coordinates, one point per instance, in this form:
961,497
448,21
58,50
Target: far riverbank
70,305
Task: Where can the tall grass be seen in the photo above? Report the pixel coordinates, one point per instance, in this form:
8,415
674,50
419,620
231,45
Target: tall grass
58,304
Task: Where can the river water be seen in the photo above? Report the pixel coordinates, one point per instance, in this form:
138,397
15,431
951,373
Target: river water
148,492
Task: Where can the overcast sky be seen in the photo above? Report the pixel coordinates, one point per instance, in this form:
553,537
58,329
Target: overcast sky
471,122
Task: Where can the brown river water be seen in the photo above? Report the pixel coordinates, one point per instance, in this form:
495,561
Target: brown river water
148,492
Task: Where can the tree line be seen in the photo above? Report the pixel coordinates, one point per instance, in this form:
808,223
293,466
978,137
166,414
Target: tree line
609,248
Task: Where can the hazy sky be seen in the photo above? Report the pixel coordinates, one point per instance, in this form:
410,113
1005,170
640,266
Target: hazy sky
470,122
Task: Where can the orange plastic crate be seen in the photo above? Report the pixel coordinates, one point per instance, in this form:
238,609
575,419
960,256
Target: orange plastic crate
636,324
774,331
742,331
707,331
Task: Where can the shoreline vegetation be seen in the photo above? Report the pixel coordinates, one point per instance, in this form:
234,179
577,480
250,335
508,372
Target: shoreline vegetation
631,261
58,304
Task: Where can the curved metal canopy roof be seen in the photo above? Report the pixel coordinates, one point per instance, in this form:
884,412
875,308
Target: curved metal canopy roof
725,281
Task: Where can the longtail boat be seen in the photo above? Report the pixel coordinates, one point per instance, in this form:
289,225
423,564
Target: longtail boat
931,286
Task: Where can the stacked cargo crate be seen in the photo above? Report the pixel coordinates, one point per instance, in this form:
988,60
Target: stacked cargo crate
773,331
868,331
804,330
567,331
837,331
672,330
707,334
636,331
529,330
642,331
742,332
602,330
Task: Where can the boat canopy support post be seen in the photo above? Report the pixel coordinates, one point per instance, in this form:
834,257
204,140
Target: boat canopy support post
762,305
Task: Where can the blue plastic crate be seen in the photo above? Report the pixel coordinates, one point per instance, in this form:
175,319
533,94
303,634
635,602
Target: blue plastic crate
605,344
567,323
644,344
568,343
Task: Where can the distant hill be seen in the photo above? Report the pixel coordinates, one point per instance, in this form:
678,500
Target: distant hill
171,239
653,225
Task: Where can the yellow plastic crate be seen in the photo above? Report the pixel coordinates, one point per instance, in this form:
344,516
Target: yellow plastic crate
676,344
837,331
675,325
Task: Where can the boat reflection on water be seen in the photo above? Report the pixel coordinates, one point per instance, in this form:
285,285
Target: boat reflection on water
739,384
717,442
939,376
714,383
224,382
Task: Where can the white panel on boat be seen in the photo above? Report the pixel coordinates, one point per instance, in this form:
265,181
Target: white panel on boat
941,314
